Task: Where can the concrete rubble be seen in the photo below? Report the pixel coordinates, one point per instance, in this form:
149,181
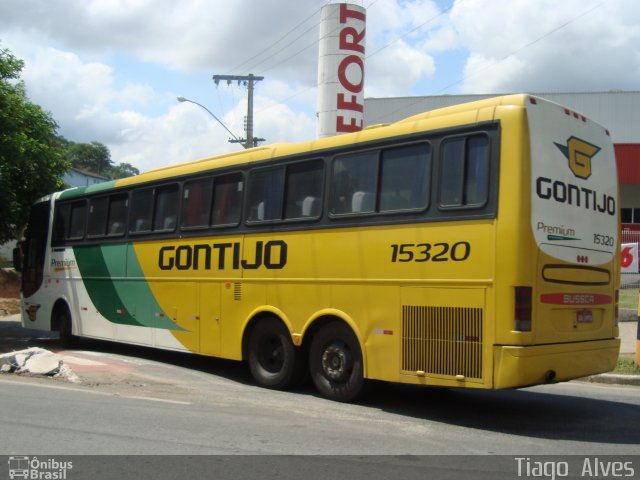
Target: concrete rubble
36,361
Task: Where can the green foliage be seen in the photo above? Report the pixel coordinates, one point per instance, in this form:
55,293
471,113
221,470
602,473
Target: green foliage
123,170
627,366
95,157
32,158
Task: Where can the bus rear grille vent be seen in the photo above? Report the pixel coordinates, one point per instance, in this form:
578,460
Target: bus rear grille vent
237,291
442,341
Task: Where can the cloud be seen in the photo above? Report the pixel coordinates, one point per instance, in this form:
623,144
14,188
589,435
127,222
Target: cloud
558,46
112,74
396,70
77,93
185,36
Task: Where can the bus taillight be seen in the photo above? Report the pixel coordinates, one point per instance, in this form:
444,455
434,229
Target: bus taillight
523,308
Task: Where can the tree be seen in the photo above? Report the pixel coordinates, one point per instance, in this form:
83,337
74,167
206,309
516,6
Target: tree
93,157
123,170
32,159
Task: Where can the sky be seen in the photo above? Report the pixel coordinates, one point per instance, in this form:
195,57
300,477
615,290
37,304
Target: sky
110,70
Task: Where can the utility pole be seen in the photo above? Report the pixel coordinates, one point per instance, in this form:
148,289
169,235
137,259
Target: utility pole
249,81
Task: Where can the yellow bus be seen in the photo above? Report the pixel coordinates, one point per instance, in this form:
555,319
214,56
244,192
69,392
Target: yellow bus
471,246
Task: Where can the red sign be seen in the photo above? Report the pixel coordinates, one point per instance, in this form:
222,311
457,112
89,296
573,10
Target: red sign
351,40
575,299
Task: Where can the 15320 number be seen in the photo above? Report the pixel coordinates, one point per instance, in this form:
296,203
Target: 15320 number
430,252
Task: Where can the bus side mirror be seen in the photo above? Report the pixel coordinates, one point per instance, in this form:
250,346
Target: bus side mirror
17,259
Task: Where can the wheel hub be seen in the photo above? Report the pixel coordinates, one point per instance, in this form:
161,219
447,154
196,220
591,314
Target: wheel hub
337,362
272,355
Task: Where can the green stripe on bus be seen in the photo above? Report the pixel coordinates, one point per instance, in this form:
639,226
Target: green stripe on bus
118,297
81,191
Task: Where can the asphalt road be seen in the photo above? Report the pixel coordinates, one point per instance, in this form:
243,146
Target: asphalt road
48,417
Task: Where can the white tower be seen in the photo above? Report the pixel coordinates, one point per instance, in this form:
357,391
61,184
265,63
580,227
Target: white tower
341,69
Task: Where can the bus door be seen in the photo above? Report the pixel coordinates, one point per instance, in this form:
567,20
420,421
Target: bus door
34,248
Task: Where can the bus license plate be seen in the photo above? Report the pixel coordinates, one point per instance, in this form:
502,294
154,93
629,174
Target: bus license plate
585,316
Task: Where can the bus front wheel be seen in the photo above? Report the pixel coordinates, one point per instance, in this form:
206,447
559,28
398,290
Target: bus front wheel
335,362
273,360
65,329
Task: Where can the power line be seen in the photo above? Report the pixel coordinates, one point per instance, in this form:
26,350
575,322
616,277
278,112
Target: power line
307,47
302,91
249,81
272,45
500,60
410,31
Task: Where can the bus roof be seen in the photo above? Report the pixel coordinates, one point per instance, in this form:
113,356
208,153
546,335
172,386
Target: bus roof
434,119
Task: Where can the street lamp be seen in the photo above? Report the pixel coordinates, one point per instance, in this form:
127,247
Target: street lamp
235,139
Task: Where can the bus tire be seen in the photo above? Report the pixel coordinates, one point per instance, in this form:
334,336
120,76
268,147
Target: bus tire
273,359
335,362
65,328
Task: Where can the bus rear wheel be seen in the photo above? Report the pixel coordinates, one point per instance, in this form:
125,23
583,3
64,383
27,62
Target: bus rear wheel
335,363
273,360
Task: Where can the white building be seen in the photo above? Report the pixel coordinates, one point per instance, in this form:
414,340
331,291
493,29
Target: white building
81,178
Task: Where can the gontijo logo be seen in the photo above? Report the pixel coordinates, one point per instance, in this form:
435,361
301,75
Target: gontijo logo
579,153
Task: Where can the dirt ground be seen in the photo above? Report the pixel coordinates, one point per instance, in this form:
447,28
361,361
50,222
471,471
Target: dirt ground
9,292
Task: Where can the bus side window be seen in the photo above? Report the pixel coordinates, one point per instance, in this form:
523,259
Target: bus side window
464,171
405,178
227,199
78,220
353,183
196,203
166,208
477,174
61,222
265,194
98,211
118,207
304,189
141,211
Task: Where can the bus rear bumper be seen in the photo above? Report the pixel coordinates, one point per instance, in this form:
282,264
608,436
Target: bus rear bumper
521,366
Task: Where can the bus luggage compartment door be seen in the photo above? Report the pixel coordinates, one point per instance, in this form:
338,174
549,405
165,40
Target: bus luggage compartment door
443,333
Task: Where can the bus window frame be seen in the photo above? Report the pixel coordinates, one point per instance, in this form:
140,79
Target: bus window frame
283,167
380,157
212,203
64,211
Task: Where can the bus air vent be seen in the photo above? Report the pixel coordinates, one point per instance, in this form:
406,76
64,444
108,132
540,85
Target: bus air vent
443,341
237,291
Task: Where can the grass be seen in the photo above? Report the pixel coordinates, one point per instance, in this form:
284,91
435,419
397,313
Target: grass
627,366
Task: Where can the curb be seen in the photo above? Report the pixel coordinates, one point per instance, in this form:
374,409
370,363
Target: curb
611,379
